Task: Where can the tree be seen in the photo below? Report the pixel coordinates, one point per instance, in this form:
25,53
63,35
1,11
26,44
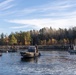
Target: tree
2,39
12,40
6,40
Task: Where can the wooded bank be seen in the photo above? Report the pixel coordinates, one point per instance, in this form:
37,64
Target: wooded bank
44,36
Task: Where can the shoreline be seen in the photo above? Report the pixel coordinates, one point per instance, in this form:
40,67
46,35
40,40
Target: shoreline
40,47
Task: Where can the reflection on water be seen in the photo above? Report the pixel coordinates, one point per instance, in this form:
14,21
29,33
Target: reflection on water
49,63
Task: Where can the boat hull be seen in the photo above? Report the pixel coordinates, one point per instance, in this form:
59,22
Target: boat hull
29,54
12,50
72,51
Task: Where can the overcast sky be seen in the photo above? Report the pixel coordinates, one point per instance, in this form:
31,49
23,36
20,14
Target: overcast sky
24,15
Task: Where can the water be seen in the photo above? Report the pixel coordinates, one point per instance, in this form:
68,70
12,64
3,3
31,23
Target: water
50,63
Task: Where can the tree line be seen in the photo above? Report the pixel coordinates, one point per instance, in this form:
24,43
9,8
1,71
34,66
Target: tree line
44,36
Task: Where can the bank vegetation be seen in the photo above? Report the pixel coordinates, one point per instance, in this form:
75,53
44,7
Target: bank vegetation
44,36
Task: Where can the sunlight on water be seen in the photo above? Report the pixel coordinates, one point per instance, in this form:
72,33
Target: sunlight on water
50,63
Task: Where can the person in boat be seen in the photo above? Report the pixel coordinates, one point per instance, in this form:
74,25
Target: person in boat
36,48
71,47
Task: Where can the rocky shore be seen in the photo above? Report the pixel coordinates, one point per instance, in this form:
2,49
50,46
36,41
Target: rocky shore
40,47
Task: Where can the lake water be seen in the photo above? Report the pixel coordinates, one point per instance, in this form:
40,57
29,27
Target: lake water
49,63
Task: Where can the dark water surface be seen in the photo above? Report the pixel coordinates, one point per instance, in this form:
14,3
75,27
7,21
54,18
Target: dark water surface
50,63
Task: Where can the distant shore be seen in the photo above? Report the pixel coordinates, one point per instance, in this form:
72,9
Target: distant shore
40,47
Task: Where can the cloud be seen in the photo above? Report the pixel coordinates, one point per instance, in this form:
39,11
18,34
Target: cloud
19,27
6,4
55,5
26,11
55,8
59,13
17,15
10,6
47,22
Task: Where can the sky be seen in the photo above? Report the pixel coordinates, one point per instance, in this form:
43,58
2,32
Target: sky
26,15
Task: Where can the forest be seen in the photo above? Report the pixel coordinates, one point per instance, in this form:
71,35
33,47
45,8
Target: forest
44,36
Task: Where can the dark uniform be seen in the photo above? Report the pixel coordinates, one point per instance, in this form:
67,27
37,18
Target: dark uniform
36,48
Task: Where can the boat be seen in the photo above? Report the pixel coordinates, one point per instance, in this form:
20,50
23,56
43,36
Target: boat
72,50
12,49
31,53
